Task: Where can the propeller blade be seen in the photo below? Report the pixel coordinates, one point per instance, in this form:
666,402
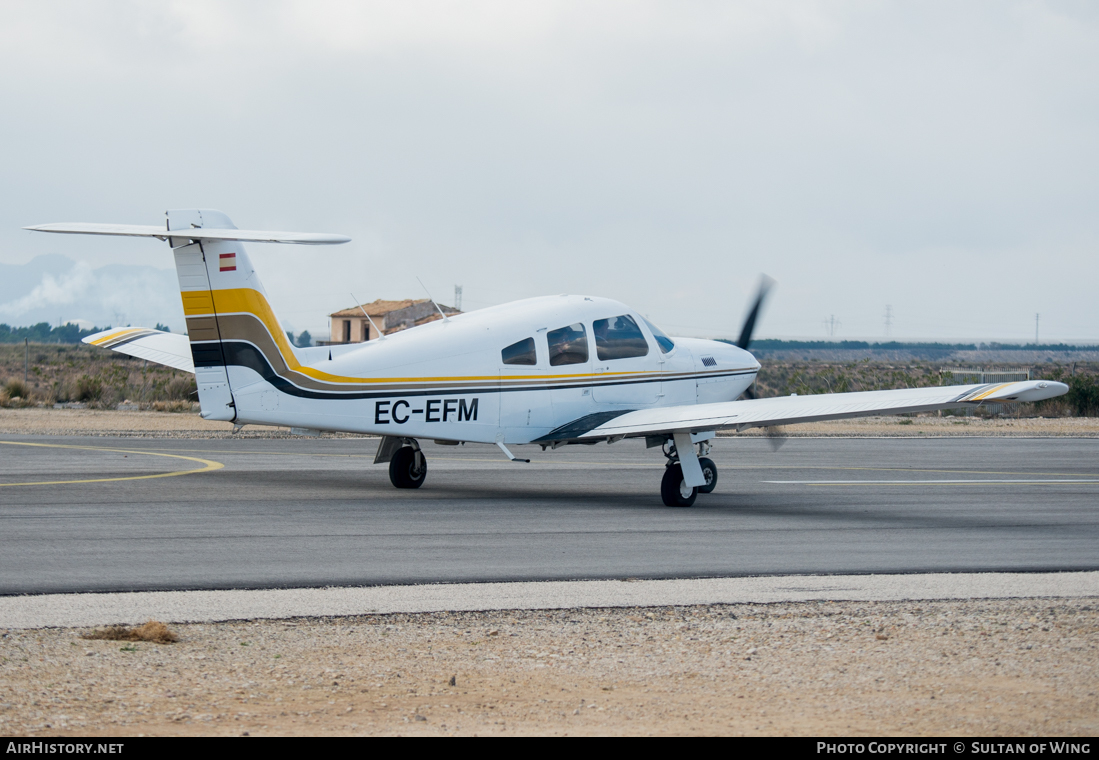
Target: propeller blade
745,339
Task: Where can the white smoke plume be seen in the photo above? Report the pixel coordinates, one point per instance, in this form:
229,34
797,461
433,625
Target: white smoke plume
113,295
53,291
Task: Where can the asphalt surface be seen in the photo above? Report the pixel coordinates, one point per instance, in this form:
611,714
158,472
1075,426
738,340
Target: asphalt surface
316,512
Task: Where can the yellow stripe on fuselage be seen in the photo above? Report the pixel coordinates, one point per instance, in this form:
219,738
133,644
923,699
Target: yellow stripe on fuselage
198,302
247,301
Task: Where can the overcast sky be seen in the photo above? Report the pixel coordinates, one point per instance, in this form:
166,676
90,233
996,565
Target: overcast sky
938,157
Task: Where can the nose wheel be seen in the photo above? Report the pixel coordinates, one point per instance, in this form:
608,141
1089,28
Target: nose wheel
674,490
709,471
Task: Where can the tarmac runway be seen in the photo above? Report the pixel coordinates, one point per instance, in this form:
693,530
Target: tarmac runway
108,514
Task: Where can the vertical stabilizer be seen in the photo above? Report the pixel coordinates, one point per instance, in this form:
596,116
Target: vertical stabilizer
225,306
235,339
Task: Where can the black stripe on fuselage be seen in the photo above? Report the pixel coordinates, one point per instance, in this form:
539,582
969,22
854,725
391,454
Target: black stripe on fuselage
238,353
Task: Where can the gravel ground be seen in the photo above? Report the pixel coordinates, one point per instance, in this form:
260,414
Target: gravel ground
998,667
189,425
134,608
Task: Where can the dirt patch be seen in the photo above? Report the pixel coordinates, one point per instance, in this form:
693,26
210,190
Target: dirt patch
153,631
980,668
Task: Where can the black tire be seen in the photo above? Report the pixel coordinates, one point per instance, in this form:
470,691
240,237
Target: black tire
709,471
407,468
672,488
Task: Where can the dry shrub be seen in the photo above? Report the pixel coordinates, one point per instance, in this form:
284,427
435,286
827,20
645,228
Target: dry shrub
17,389
171,406
88,388
181,389
154,631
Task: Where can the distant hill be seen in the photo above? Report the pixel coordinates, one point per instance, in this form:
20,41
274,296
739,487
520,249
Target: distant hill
769,344
901,351
44,333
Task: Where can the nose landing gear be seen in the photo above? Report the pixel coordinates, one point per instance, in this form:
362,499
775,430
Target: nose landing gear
709,471
674,488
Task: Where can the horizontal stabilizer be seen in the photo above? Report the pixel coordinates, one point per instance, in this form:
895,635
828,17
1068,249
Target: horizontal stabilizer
169,349
194,233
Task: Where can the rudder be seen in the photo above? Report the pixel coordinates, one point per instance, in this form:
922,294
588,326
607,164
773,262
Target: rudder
223,300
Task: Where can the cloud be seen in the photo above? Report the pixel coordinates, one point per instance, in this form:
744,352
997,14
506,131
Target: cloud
936,156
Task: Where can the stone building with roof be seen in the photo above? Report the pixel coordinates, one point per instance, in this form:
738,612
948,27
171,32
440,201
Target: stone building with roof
350,326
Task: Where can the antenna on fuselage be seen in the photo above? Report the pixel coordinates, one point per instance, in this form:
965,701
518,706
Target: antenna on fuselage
433,302
381,335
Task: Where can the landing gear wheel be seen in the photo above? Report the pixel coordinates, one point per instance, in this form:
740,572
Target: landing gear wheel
407,468
674,491
709,471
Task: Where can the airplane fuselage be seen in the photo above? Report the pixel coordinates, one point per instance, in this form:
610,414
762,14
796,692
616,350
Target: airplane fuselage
455,380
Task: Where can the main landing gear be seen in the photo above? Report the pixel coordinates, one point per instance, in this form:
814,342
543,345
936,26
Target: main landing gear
407,464
686,475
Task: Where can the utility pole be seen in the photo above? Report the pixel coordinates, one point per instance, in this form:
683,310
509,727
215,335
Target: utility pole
888,320
458,297
1036,316
830,326
26,359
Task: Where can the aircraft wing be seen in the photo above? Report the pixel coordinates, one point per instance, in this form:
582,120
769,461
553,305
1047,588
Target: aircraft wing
195,233
789,410
170,349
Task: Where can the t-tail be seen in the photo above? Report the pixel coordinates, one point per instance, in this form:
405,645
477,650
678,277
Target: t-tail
229,320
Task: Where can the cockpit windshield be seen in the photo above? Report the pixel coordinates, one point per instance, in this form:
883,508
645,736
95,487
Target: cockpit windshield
618,338
662,340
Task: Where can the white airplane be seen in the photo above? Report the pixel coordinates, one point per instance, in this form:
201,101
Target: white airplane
554,371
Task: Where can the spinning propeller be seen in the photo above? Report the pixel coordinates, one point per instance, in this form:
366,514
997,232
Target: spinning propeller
745,339
775,435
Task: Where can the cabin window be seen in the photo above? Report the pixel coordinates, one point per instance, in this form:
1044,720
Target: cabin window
520,353
618,338
568,345
662,340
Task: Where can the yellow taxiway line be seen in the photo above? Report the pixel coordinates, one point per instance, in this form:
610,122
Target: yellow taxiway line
209,465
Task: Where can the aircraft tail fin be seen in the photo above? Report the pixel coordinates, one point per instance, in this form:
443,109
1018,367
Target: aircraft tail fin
229,320
226,308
